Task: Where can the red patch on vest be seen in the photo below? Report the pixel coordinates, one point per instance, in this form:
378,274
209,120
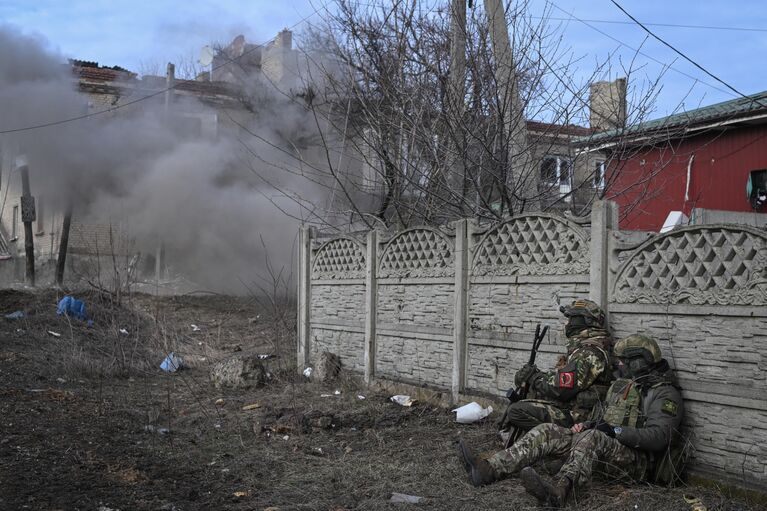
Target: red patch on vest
567,380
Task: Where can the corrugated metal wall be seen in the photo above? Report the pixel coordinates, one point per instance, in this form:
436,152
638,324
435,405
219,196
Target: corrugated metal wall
651,183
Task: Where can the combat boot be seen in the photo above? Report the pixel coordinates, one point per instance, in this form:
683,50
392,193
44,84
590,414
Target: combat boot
480,472
552,495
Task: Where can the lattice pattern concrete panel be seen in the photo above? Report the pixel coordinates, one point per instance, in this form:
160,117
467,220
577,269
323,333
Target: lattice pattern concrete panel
417,253
533,245
341,258
724,265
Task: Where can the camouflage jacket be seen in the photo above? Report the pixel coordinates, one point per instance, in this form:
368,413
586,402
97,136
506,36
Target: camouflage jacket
583,379
649,410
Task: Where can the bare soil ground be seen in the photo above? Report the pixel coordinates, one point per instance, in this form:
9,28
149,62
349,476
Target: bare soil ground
89,422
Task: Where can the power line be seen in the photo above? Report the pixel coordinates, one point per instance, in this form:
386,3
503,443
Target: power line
671,25
688,59
636,50
149,96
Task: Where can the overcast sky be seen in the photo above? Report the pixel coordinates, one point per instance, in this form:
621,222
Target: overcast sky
136,34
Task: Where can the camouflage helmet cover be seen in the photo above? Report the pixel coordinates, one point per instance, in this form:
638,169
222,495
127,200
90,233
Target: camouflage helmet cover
587,309
638,345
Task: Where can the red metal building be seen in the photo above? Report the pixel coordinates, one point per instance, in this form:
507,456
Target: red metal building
713,158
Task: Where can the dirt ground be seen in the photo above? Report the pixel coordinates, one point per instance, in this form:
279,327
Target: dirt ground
88,421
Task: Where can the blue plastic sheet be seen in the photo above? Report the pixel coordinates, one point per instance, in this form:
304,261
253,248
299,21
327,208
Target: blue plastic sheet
172,363
71,306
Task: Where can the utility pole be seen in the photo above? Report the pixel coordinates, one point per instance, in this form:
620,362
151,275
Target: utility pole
457,91
170,83
514,122
27,217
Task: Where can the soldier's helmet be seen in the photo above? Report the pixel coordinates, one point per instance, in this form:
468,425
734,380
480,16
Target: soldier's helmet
638,345
592,314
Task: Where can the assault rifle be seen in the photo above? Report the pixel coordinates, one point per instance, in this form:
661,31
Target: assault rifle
520,393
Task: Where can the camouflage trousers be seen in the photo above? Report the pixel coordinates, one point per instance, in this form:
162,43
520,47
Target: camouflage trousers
583,453
528,413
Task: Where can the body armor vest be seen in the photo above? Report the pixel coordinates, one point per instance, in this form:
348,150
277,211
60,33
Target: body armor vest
624,405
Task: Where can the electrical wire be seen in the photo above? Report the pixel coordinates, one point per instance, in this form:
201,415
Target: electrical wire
669,25
638,51
681,54
149,96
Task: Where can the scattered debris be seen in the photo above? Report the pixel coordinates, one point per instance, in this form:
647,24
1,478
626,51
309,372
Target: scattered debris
149,428
219,402
252,406
286,437
308,372
240,371
61,380
124,331
402,400
471,412
172,363
337,392
695,503
265,356
71,306
328,368
55,334
195,328
360,397
15,315
317,451
402,498
242,493
326,395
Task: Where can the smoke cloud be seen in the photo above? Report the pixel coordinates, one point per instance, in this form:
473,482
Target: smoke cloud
210,199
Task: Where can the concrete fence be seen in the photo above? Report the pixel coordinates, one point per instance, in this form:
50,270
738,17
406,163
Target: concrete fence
455,308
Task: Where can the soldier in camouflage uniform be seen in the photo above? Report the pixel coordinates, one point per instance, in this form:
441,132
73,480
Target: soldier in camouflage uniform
633,436
567,394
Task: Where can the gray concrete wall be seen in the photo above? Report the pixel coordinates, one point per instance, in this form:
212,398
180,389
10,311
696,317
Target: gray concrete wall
456,308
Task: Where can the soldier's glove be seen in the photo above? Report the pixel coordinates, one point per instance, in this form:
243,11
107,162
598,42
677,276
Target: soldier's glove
525,374
605,428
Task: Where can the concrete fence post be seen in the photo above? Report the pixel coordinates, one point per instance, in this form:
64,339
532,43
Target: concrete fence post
371,296
304,296
604,218
461,309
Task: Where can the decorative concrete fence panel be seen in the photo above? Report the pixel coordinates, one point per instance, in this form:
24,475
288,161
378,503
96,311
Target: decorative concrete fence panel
415,307
702,292
521,271
337,304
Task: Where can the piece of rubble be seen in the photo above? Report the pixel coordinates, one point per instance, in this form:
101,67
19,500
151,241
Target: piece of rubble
402,498
240,371
328,368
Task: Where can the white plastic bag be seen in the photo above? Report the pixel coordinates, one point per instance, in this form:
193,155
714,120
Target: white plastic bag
472,412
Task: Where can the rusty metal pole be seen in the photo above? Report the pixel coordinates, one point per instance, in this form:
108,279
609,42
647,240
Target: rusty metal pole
27,217
63,245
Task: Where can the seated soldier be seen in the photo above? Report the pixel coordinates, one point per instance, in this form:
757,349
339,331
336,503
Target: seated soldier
634,437
568,393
